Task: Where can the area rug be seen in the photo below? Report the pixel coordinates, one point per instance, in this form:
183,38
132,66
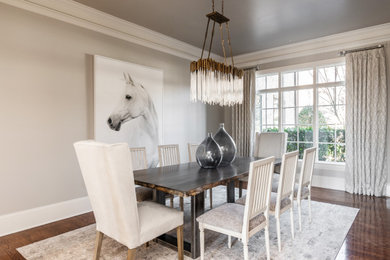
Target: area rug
320,239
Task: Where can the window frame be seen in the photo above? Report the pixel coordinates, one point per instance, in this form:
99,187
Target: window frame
315,86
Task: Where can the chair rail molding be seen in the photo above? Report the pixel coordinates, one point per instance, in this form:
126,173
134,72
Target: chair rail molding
347,40
86,17
34,217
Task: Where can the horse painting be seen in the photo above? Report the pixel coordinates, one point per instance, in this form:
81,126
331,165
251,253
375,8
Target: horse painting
136,106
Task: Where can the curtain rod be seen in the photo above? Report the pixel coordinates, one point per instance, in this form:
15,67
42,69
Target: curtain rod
257,67
343,53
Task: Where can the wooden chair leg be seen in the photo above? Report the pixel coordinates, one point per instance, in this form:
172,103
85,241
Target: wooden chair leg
98,245
181,203
172,202
211,198
131,254
180,245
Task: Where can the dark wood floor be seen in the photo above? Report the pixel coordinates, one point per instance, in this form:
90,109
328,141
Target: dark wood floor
368,238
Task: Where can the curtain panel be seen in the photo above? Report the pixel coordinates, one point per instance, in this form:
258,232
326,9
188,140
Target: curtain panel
366,122
243,116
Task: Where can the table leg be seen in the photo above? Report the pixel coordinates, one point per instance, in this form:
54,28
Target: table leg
160,197
230,189
197,209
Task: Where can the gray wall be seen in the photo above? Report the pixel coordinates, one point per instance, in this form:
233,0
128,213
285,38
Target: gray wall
46,104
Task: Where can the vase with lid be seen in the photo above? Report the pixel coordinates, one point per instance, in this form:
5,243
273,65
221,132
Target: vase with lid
208,154
227,144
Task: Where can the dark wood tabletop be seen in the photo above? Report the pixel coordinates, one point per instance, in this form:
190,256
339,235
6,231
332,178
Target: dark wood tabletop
189,179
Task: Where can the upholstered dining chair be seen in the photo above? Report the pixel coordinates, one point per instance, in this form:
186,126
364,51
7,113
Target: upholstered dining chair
242,221
105,169
192,158
168,155
302,189
284,198
267,144
140,162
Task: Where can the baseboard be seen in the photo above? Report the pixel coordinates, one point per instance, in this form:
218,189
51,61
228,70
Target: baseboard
328,182
30,218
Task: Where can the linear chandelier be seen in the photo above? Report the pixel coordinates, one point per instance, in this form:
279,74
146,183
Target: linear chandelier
215,82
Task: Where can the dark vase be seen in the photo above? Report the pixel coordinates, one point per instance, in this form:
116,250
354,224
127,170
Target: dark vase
208,154
227,144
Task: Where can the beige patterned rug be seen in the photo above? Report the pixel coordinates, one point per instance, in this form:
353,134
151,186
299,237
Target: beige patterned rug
320,239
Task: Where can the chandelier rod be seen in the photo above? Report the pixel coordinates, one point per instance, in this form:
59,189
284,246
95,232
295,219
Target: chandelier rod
205,37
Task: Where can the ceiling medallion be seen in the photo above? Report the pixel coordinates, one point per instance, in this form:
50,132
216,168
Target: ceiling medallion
215,82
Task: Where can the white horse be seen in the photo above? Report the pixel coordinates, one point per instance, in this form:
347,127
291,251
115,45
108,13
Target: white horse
135,103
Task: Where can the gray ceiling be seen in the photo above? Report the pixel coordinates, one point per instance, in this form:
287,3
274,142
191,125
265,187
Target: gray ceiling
255,24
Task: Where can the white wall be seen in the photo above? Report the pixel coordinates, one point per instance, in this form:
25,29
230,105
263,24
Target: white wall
46,104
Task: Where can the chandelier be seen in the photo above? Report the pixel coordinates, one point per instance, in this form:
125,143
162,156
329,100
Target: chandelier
215,82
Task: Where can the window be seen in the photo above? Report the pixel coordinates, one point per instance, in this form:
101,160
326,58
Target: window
308,104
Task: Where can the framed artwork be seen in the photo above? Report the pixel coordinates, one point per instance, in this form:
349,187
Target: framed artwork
128,105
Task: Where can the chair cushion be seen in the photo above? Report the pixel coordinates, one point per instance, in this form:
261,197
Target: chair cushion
143,193
285,202
229,216
305,191
156,219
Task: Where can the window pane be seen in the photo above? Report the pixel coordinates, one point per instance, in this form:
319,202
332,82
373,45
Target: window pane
326,134
306,133
302,147
291,133
326,96
272,100
289,116
263,117
327,74
305,97
305,115
340,73
340,153
289,99
305,77
340,95
326,152
340,135
272,116
263,104
272,81
260,83
291,147
269,128
288,79
331,115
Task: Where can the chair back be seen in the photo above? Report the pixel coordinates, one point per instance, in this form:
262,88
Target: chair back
270,144
192,152
309,156
259,190
138,158
107,173
287,175
168,154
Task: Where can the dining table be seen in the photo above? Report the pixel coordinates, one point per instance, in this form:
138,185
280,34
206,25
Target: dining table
190,180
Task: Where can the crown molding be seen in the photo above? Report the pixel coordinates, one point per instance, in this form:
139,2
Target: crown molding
336,42
83,16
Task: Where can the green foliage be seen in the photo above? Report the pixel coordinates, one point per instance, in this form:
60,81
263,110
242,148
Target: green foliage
326,152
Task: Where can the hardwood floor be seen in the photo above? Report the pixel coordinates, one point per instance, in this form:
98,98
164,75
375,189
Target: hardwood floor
368,238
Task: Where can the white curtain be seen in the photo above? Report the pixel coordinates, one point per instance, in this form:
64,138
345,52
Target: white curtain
243,116
366,122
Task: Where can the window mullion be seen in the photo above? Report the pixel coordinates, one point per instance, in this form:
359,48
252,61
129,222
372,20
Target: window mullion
280,102
315,112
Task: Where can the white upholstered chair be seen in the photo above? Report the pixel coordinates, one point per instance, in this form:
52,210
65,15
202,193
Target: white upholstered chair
242,221
192,158
284,198
140,162
105,169
303,187
267,144
168,155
